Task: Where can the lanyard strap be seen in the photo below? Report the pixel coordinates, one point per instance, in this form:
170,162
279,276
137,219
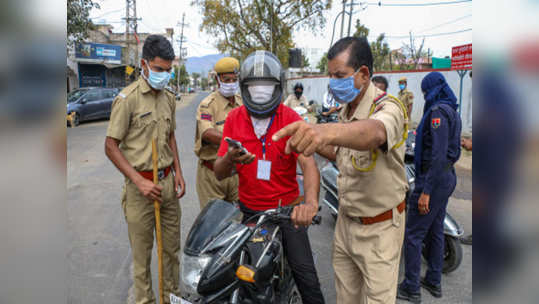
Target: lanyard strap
263,138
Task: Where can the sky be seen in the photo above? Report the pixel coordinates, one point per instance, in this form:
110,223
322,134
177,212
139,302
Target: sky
395,22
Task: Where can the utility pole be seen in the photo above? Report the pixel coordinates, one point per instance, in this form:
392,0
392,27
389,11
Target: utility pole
271,40
342,21
350,17
180,55
130,32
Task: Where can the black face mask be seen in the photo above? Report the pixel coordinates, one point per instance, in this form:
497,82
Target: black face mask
298,94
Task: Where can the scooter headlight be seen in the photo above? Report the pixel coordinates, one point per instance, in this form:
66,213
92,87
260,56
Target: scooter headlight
191,271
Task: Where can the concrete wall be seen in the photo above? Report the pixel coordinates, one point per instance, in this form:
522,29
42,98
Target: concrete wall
314,89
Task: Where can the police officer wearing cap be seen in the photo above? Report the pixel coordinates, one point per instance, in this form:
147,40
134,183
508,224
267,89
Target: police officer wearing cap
405,96
437,149
211,116
143,111
367,145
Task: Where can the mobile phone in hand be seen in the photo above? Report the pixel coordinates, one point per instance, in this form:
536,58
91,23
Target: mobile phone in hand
236,144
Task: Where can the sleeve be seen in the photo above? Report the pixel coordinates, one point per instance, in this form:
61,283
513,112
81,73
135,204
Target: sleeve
173,118
227,132
119,118
410,98
439,130
391,115
205,118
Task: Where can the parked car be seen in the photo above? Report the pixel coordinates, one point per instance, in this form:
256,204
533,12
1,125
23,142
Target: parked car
90,103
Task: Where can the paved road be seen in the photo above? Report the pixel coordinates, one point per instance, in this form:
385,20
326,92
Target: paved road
99,256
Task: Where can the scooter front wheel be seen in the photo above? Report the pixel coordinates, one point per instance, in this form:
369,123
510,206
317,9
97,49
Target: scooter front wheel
452,254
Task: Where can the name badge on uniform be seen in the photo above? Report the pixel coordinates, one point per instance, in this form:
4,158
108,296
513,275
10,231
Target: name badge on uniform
264,170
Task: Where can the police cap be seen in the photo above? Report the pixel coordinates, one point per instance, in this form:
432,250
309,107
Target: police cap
227,65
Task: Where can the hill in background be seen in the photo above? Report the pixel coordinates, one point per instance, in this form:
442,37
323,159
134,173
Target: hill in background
203,64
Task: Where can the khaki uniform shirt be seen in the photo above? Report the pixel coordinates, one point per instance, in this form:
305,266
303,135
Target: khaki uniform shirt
406,97
293,102
367,194
137,116
211,114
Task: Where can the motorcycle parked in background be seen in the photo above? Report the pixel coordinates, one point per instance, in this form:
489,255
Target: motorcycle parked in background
452,230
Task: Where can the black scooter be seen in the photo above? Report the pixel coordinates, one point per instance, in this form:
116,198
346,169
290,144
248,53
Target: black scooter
452,230
227,261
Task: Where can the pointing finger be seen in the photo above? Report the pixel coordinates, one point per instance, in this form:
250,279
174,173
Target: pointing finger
286,131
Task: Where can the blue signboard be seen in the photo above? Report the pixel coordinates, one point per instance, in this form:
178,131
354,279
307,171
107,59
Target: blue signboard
97,52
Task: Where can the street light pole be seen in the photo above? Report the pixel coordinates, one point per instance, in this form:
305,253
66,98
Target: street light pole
342,21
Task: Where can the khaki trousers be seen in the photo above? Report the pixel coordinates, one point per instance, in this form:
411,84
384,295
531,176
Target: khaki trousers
208,187
366,259
140,217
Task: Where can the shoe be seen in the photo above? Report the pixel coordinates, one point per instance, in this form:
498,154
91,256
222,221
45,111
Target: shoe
466,240
435,290
404,294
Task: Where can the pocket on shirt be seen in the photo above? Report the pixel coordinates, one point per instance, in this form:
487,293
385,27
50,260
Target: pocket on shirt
140,122
361,159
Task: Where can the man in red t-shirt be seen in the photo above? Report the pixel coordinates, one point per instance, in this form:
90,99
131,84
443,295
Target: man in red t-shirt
267,175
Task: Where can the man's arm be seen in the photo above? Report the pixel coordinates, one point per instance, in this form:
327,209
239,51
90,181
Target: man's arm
179,180
303,214
146,187
224,166
327,152
308,138
212,136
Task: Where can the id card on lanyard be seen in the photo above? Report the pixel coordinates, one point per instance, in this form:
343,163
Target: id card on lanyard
264,166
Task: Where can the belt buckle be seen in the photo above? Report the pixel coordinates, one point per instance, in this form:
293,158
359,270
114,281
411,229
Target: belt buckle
161,174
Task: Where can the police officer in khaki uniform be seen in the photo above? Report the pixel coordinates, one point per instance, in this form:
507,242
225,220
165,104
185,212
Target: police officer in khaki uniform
406,96
141,112
211,116
368,147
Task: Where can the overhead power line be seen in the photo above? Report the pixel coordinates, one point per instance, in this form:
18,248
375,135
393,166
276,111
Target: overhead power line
379,3
430,35
445,23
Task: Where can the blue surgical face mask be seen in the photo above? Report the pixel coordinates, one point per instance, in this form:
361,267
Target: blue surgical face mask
343,89
157,80
402,86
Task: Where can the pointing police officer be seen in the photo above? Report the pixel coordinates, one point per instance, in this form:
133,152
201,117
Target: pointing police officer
405,96
143,111
368,147
211,116
436,151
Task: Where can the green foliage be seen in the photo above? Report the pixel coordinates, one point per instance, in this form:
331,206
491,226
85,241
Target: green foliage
361,30
204,83
243,26
305,62
184,76
323,64
78,21
379,48
196,77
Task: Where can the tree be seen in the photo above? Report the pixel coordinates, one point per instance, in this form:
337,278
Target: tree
380,52
323,63
413,53
305,62
361,30
195,77
379,48
243,26
78,21
184,76
204,83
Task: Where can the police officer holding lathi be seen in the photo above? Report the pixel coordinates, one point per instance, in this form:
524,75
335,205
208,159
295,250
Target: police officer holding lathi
437,149
143,111
367,144
211,116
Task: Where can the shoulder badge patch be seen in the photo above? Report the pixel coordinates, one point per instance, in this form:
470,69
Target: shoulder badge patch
205,117
436,122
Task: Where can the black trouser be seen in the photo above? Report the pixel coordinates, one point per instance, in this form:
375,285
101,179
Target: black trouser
299,255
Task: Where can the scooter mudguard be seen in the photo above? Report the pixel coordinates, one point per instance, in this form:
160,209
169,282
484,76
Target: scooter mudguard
451,227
